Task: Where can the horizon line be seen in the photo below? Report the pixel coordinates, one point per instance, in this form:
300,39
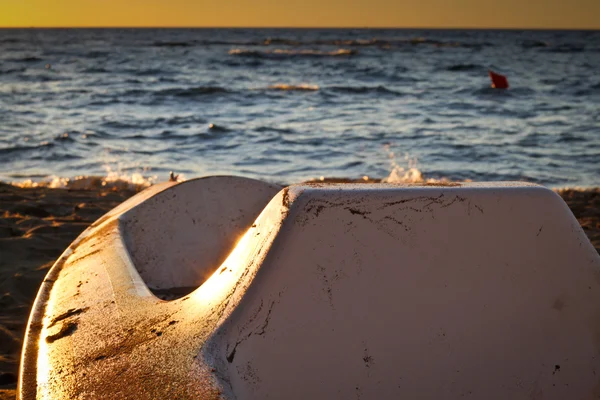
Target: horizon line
315,27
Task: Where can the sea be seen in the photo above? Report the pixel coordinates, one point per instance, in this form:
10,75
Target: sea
289,105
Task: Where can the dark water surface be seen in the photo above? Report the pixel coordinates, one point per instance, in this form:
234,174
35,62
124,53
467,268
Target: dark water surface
287,105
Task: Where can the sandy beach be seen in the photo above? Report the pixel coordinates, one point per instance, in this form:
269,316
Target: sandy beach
37,224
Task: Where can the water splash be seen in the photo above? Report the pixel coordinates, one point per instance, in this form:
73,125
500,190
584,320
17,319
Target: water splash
402,174
409,173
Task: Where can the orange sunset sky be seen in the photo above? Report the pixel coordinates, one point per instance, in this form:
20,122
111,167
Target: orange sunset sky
557,14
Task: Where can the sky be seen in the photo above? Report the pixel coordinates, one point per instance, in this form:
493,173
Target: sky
553,14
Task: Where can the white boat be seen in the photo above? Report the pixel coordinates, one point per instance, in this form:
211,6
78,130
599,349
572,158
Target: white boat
231,288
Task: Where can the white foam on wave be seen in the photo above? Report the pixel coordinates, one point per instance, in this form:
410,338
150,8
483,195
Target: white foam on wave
286,52
135,181
300,87
115,180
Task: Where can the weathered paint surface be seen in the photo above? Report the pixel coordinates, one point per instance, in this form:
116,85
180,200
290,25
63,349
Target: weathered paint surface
337,291
178,238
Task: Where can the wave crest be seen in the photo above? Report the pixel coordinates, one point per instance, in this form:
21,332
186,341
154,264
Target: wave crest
192,91
367,42
285,53
112,181
173,44
464,67
302,87
363,90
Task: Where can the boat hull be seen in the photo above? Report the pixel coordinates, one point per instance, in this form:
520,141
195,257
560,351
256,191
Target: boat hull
327,291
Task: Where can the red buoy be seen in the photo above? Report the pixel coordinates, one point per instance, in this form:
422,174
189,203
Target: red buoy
498,81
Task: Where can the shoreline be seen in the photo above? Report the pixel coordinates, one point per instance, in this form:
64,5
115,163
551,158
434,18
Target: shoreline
38,223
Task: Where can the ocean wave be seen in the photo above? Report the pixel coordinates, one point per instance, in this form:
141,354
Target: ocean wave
191,92
584,92
566,48
273,129
351,164
104,103
199,91
241,62
284,53
219,147
268,139
416,41
180,120
378,42
373,42
148,72
532,44
65,137
281,41
355,42
43,76
21,148
172,135
302,87
422,40
230,43
125,125
190,43
95,70
97,54
29,59
291,42
363,90
486,91
464,67
173,44
12,70
56,157
566,137
113,181
305,87
96,134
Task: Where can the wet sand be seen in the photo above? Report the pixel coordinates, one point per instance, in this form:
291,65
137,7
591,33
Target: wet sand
37,224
